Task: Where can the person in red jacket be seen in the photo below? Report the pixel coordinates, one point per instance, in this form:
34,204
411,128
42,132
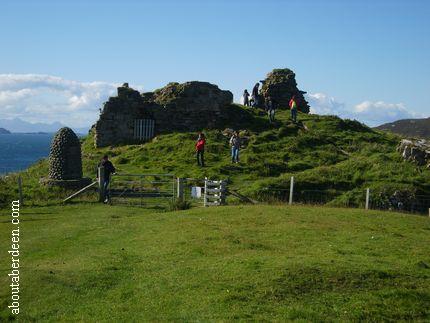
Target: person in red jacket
200,149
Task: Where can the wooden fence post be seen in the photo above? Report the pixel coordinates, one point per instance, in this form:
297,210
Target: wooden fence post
180,189
21,199
223,190
291,190
101,177
205,200
367,198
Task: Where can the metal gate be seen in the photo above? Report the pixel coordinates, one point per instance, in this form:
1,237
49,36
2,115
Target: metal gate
144,129
148,190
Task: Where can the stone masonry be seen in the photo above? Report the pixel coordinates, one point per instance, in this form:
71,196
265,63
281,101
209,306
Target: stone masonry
189,106
281,85
65,161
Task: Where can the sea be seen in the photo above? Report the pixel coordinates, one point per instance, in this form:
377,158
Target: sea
20,150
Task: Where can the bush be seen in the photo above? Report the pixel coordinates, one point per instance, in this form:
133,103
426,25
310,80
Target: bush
177,205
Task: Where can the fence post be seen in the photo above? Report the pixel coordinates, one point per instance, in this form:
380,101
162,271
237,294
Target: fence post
180,188
367,198
205,192
291,190
223,187
101,177
21,199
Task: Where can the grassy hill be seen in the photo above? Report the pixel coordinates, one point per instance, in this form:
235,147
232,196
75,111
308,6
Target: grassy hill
97,263
415,128
335,156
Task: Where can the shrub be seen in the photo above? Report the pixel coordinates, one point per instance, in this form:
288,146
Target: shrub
177,205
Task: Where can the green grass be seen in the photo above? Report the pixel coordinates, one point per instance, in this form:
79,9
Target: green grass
92,262
340,156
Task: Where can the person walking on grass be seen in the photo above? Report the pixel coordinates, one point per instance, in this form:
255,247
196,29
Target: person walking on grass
108,169
246,98
270,108
235,146
293,107
200,149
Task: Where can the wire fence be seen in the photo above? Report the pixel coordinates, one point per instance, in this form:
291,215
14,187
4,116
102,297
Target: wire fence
160,190
397,201
312,197
414,204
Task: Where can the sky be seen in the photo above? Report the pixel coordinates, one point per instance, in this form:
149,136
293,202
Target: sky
366,60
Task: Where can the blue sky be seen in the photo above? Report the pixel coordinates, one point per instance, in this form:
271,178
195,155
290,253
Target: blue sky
360,59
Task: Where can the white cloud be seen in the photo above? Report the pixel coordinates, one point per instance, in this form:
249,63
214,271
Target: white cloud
368,112
323,104
375,113
46,98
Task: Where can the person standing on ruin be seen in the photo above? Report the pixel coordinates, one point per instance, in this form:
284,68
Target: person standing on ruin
246,98
293,107
270,108
235,146
255,94
108,169
200,149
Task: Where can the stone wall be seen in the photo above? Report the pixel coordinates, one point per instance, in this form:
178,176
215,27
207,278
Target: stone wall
190,106
116,122
281,85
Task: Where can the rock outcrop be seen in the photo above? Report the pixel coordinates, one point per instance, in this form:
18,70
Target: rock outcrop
190,106
417,151
281,85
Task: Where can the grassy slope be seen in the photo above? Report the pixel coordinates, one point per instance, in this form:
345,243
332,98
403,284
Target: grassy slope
333,155
92,262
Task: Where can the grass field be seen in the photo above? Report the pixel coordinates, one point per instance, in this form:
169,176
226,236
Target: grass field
92,262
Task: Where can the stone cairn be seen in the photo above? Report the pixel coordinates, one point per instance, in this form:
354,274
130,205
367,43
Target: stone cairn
65,161
281,85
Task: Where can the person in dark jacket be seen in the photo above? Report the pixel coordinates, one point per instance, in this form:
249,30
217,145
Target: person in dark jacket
200,149
235,146
108,169
255,94
246,98
270,108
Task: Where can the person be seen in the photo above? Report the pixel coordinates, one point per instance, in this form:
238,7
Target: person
255,94
107,171
270,108
246,98
200,149
293,107
235,146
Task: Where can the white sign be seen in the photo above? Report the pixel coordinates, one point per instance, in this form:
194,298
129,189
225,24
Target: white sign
196,192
